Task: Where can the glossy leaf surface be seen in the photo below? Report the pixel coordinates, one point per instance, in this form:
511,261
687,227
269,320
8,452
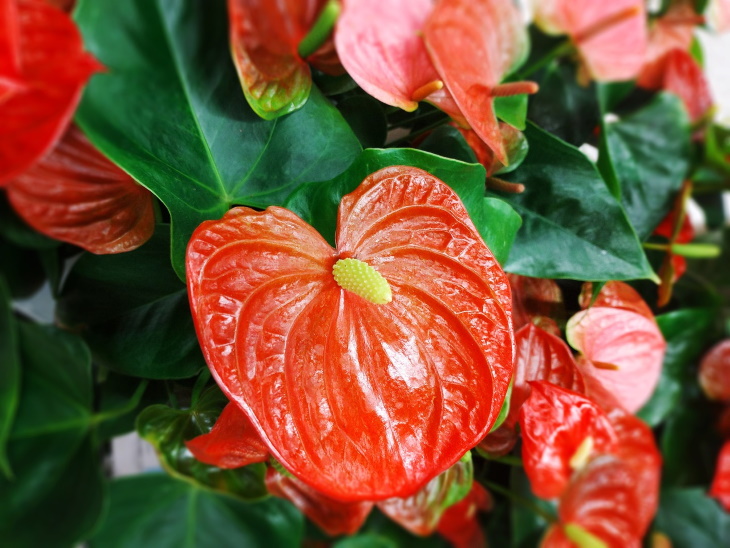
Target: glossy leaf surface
496,221
47,54
208,150
51,433
555,423
233,442
264,39
566,209
624,353
9,374
168,429
473,46
334,517
141,506
401,390
714,374
74,194
649,152
133,311
690,518
611,37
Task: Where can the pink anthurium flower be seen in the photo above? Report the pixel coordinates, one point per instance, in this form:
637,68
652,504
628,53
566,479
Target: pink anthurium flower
43,69
76,195
622,351
368,369
718,13
611,37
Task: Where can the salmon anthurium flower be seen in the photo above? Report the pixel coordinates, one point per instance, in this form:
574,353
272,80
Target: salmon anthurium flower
76,195
611,37
43,70
714,375
367,369
622,349
265,43
718,12
720,488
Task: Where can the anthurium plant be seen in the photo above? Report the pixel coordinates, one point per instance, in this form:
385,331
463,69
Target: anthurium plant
364,273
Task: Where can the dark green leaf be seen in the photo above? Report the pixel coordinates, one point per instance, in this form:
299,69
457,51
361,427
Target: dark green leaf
649,154
170,111
121,398
366,118
56,495
447,141
167,430
133,311
14,229
527,526
688,332
9,375
160,511
692,520
512,110
572,227
389,534
496,221
22,269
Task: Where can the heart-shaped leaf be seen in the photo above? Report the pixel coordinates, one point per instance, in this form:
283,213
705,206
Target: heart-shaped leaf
690,518
170,70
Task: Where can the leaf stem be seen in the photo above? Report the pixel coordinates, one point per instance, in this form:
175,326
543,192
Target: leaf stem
124,409
522,501
321,29
558,51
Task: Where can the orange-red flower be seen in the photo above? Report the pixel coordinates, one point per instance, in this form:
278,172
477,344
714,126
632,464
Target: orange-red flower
720,488
714,375
362,401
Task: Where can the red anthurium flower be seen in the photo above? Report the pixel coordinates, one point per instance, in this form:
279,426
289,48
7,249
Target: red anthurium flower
334,517
459,524
714,372
536,300
674,30
611,37
474,45
369,369
720,488
76,195
514,143
622,349
539,356
265,38
685,78
232,442
42,55
561,430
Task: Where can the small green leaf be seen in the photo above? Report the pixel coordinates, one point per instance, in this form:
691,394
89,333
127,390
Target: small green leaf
512,110
572,227
504,411
133,311
692,519
160,511
168,429
447,141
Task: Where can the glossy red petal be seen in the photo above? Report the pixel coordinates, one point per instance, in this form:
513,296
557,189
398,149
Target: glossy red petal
473,45
714,374
53,71
232,442
684,77
674,30
616,295
76,195
624,350
421,513
555,423
459,524
398,392
264,39
720,488
611,37
9,44
334,517
380,46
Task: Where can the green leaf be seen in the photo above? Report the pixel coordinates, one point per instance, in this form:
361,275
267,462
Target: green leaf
512,110
572,227
386,534
366,118
121,399
14,229
528,527
692,519
57,473
22,269
447,141
563,107
687,332
497,223
167,430
9,375
160,511
649,154
169,110
133,311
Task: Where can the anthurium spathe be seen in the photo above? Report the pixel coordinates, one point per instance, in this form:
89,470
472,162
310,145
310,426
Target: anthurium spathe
611,37
714,374
42,57
720,488
622,351
362,401
460,524
265,40
684,77
76,195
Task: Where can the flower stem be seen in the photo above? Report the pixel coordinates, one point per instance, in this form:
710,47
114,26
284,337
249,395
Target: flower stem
558,51
522,501
321,29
